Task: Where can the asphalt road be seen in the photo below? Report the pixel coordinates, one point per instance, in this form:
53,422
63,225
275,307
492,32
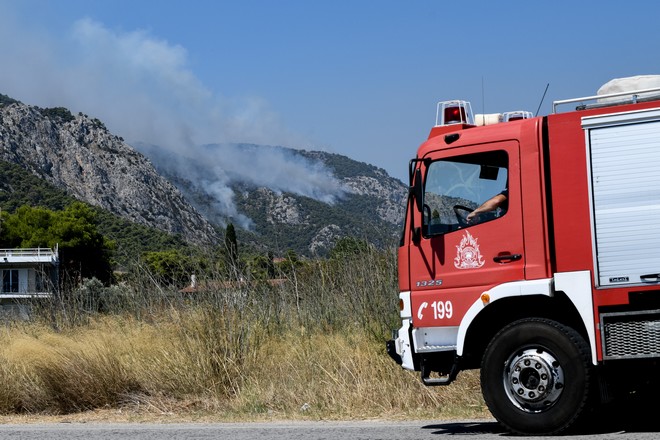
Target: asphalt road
371,430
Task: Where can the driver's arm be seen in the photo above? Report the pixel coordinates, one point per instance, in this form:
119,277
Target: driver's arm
489,205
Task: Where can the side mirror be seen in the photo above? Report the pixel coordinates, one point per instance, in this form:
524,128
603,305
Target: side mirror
416,189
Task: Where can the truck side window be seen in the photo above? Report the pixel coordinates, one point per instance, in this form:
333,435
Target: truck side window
456,187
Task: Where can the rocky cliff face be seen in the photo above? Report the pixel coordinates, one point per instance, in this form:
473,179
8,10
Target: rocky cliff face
389,193
184,196
78,154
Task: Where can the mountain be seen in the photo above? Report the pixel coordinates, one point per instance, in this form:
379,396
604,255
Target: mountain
279,198
79,155
352,199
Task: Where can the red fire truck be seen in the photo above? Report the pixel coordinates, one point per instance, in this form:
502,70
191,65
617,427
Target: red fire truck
531,250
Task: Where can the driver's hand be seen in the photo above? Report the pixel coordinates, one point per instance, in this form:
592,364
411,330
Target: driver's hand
471,216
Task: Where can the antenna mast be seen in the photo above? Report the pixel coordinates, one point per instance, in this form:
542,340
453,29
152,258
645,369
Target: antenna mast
542,98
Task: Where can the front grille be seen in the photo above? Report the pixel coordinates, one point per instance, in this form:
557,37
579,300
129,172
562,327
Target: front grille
630,335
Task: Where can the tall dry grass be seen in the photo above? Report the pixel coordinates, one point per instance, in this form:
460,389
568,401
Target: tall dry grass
310,347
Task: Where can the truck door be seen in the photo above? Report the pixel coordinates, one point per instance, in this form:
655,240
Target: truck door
459,256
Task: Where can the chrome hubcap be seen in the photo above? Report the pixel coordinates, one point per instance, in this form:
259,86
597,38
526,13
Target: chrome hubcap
533,380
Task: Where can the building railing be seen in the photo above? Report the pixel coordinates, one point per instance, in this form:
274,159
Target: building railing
29,256
27,252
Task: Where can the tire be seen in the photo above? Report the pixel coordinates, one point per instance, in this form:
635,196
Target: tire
536,376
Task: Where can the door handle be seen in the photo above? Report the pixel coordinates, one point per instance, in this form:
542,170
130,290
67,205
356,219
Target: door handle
507,258
650,278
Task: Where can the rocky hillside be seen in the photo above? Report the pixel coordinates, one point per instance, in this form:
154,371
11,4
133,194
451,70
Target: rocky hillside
311,199
368,203
79,155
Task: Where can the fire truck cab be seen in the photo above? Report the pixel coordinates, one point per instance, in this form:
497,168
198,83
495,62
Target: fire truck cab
531,250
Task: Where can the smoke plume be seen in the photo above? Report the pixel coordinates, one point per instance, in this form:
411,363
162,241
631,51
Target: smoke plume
143,90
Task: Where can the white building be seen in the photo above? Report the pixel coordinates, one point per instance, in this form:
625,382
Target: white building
27,274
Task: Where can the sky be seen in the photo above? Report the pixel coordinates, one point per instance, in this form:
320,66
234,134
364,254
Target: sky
355,77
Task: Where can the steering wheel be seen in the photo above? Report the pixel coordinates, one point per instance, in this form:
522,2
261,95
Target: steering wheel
461,214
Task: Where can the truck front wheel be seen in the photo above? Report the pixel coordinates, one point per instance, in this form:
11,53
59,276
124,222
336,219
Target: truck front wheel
536,376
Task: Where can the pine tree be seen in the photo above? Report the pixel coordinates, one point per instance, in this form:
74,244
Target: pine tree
231,246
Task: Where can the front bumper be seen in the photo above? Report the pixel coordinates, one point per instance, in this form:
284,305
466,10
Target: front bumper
399,348
391,350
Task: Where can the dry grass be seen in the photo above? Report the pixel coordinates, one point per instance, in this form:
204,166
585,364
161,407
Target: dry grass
132,369
347,376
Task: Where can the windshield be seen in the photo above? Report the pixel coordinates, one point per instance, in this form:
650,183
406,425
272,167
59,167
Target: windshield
454,188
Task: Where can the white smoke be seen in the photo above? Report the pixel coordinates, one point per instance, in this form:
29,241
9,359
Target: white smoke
276,168
213,168
143,90
223,201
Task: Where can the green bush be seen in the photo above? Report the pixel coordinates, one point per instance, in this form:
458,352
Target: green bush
58,114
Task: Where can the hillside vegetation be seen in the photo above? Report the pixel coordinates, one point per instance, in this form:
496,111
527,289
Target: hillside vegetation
20,188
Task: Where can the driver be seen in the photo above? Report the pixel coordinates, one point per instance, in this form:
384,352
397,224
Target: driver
497,201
